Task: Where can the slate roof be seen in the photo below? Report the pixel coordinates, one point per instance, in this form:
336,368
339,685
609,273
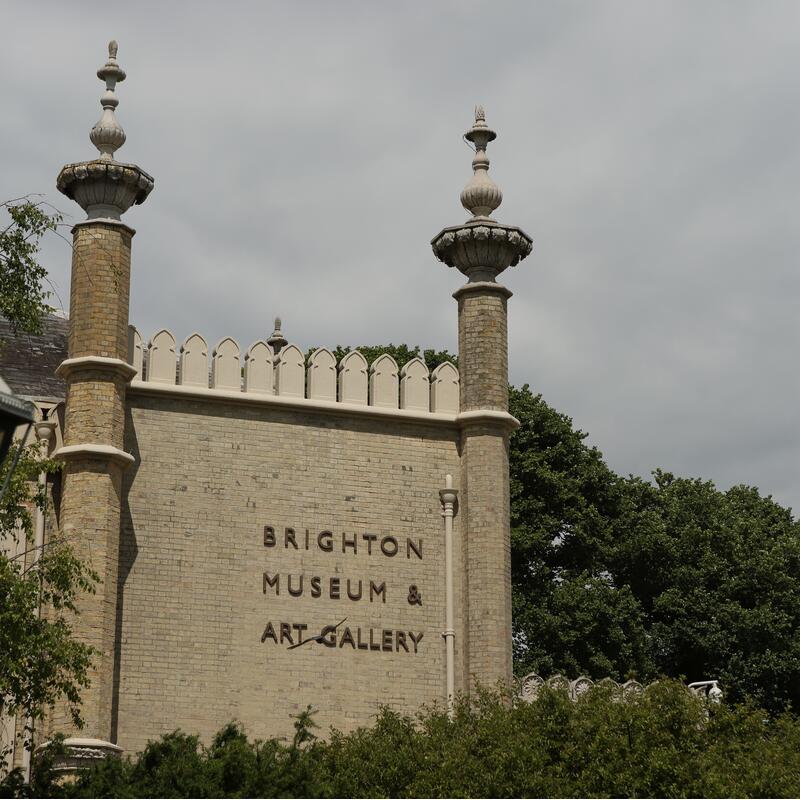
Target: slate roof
28,363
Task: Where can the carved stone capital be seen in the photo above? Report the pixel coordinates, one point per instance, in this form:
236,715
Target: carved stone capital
104,189
481,248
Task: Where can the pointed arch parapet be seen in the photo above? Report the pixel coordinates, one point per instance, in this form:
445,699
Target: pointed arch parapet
321,375
415,386
351,384
291,379
226,368
193,369
353,381
135,350
258,369
384,382
445,389
161,357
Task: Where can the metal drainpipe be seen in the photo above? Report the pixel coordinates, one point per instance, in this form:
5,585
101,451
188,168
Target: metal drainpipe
44,431
448,496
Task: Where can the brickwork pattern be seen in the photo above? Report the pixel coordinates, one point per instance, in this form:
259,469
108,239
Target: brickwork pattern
91,501
192,608
90,513
487,554
99,291
95,408
483,350
483,364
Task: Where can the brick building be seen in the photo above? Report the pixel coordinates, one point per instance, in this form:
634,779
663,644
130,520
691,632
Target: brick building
273,530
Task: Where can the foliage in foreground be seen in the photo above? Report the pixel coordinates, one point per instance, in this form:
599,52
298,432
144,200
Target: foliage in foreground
40,662
23,300
666,743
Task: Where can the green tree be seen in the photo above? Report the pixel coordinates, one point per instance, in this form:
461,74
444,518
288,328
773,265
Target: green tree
569,614
23,299
401,353
40,662
626,577
717,575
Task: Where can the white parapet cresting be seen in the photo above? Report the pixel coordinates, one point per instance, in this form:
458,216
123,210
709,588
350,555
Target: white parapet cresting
288,374
530,685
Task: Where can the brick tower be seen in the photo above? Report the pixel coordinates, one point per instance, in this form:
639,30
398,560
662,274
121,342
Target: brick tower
481,248
96,374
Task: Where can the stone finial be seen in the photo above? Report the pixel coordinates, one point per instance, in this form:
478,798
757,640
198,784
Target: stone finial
481,196
107,134
104,187
277,341
481,247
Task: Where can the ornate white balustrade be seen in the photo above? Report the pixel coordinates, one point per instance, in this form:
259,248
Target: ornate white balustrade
351,382
532,683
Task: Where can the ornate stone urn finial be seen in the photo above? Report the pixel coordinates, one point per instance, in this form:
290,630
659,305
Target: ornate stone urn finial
106,188
481,195
481,248
107,135
277,341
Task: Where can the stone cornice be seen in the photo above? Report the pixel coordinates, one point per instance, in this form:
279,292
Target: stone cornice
67,368
291,403
102,451
464,419
488,417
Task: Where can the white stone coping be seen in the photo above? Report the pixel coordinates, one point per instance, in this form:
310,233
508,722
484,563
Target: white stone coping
483,286
325,406
103,221
71,365
75,741
484,416
106,451
82,753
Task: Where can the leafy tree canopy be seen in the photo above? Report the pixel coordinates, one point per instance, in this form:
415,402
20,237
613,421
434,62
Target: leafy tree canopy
629,578
401,353
23,300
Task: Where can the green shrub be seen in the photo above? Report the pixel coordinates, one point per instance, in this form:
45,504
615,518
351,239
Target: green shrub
665,743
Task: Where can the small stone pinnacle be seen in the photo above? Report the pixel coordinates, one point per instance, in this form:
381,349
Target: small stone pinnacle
107,135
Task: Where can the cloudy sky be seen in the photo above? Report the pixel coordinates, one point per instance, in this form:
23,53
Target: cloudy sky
305,153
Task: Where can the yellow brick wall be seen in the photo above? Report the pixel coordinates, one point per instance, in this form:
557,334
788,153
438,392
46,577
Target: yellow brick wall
483,364
91,502
99,291
209,476
483,349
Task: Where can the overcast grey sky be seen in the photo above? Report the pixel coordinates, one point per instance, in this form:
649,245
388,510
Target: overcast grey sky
305,153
